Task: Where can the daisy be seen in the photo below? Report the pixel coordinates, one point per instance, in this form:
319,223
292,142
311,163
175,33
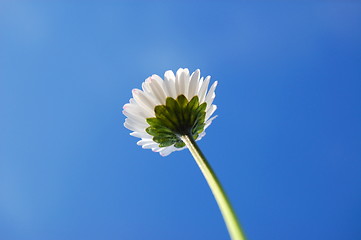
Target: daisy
167,109
171,114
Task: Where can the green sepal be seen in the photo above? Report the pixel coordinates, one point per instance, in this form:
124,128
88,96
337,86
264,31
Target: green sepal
167,144
193,104
154,131
182,101
176,118
179,144
175,111
165,141
168,120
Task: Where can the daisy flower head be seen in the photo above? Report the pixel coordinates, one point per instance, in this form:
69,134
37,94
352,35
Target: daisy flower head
167,109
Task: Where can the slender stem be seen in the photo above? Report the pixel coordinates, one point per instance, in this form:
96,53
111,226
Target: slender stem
229,216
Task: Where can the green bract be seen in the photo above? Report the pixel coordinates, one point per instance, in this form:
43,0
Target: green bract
178,117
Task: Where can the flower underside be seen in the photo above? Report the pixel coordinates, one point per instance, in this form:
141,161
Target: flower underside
178,117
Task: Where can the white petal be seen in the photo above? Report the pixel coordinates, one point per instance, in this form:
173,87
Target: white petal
193,84
145,86
166,151
131,127
203,89
156,84
144,141
147,143
157,78
134,117
209,122
150,94
211,95
201,135
200,83
157,149
185,82
135,109
166,87
169,84
169,75
210,111
150,145
181,83
136,125
143,100
178,82
140,134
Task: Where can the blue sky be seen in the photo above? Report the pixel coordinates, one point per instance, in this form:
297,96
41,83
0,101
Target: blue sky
286,144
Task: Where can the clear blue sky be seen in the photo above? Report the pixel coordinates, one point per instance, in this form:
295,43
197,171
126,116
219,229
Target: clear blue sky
286,144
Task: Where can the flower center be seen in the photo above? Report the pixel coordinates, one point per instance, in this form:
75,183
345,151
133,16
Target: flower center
178,117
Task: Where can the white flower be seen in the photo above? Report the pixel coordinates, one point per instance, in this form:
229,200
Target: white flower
152,105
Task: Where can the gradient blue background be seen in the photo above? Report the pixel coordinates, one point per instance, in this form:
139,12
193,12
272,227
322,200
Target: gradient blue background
286,144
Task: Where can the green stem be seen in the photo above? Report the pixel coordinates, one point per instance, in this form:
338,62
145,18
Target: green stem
229,216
